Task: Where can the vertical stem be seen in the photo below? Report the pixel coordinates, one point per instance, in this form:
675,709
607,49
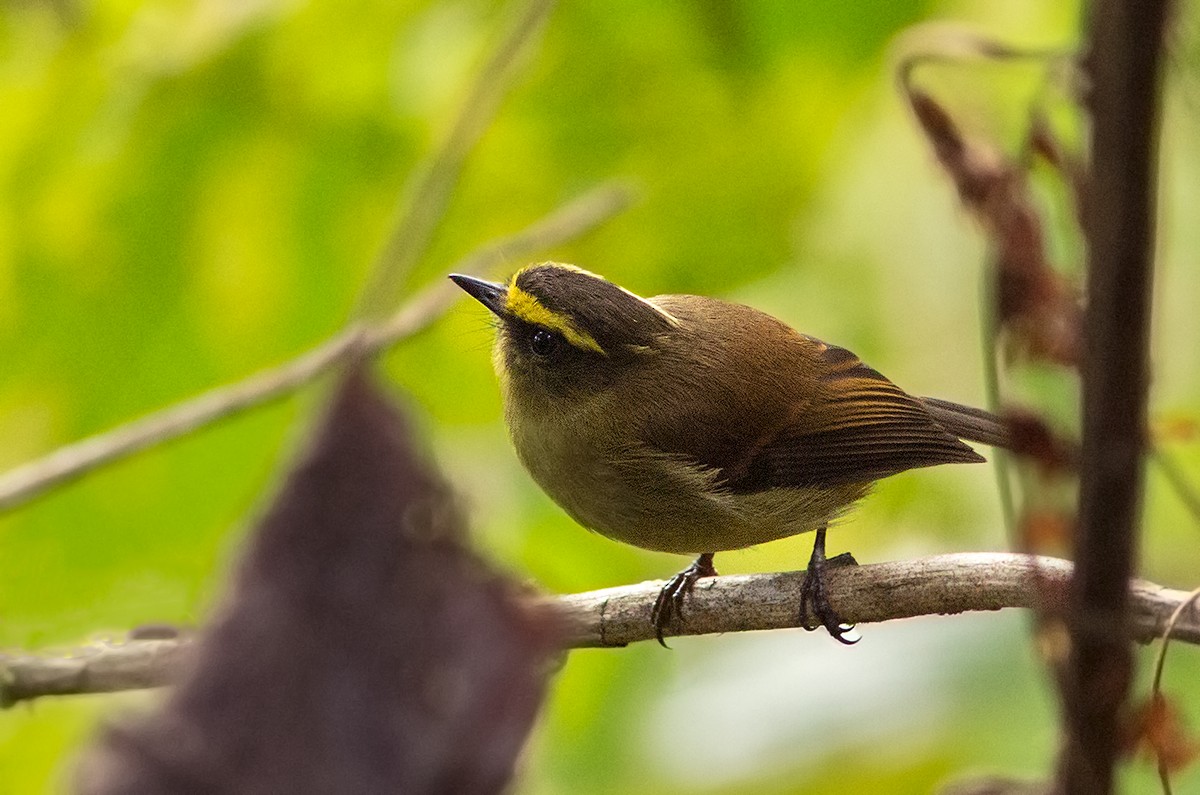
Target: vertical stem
1122,67
428,191
1002,463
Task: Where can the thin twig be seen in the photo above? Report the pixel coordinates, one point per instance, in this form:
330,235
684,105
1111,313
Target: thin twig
1167,634
428,190
954,44
614,617
1164,772
32,479
25,482
1002,463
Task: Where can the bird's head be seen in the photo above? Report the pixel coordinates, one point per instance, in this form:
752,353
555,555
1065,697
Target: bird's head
562,329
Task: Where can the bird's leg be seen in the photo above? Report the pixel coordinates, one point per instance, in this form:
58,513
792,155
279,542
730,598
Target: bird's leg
814,593
669,604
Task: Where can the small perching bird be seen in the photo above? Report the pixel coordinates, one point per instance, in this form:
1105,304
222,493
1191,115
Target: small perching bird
688,424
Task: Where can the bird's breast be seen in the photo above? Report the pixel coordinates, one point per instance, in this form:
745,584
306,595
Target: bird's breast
616,485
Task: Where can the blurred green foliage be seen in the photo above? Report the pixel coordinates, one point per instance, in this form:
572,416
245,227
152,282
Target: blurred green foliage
191,191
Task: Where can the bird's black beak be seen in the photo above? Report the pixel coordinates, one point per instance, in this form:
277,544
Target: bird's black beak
490,294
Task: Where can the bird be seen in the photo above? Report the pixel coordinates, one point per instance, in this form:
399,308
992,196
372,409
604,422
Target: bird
693,425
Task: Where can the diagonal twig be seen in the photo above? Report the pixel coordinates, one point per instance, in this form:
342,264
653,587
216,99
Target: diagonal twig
427,192
25,482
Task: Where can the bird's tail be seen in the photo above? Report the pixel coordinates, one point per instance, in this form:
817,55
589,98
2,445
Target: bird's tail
974,425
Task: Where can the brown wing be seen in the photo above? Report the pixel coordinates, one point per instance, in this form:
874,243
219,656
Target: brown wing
794,412
861,427
972,424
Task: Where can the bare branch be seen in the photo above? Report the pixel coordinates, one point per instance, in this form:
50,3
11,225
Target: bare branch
943,584
101,668
1123,67
566,223
939,585
24,483
30,480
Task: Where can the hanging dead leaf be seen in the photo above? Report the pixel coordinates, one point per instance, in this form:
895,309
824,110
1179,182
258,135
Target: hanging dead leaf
1155,729
1031,437
362,647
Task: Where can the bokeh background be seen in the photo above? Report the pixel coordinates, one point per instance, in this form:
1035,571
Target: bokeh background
191,191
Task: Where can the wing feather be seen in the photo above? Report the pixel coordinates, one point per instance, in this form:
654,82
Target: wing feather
864,428
822,419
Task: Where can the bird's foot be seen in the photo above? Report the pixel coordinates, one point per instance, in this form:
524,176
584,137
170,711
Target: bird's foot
814,594
668,607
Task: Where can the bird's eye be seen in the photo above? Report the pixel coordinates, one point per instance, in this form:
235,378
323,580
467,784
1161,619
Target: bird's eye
543,343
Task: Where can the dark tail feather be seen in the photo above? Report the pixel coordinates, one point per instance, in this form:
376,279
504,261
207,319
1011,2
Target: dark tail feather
974,425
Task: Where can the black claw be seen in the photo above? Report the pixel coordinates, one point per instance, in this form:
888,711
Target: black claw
844,559
814,594
669,605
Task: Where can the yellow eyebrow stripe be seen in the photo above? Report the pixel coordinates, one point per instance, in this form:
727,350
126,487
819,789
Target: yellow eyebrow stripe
524,306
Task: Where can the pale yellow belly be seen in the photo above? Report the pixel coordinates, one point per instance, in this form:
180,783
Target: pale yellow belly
656,501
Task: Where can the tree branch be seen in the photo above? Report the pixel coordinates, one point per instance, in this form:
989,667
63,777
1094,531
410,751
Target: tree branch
100,668
25,482
1122,66
611,617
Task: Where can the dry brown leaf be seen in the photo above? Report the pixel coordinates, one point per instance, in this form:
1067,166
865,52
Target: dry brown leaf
362,647
1155,729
